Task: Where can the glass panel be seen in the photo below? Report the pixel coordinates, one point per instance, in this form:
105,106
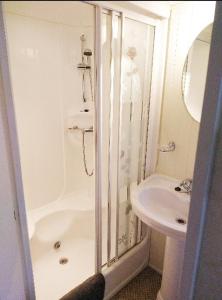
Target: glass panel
106,86
51,54
114,127
111,55
136,78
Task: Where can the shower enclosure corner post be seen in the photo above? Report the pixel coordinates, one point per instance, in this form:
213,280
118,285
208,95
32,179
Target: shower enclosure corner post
110,138
118,138
98,143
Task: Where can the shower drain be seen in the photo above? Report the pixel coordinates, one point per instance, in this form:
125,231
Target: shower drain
63,261
57,245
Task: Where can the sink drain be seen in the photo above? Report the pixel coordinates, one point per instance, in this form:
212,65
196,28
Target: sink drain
181,221
63,261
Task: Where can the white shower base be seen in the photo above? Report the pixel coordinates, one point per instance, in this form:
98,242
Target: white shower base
71,221
53,280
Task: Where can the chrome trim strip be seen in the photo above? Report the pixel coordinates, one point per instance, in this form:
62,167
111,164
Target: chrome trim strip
98,143
118,138
142,151
110,143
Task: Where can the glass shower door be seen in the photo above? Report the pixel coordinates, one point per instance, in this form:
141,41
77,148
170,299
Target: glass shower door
127,52
111,61
137,53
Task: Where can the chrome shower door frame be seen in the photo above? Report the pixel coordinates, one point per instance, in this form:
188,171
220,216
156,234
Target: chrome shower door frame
151,121
98,143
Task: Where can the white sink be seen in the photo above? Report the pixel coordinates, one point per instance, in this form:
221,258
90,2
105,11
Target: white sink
159,206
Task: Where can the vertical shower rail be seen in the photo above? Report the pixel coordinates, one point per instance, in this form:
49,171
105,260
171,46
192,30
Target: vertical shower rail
98,143
111,118
110,144
118,137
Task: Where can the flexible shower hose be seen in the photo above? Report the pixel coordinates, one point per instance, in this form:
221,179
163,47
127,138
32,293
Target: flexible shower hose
84,155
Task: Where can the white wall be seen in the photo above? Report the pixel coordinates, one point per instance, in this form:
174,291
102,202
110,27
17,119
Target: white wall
34,64
16,280
187,20
12,280
44,50
176,123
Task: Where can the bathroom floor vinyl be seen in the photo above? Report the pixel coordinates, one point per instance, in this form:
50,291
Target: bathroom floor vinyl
143,287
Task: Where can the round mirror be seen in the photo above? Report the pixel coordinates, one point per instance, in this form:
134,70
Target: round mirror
195,72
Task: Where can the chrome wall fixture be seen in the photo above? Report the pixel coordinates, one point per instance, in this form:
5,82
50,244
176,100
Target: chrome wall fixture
86,68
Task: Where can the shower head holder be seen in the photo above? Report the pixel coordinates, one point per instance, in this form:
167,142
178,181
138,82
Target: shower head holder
87,52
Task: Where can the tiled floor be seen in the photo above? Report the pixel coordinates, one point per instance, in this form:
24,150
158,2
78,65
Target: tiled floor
143,287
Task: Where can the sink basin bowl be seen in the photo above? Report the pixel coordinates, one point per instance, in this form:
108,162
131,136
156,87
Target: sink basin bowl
158,205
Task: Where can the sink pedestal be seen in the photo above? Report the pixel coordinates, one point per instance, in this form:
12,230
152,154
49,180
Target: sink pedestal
158,205
172,269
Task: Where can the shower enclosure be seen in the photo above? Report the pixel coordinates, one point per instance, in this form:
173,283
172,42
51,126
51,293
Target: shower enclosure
81,80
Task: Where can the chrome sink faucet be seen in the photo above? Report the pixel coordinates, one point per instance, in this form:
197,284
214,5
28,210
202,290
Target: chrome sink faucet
185,186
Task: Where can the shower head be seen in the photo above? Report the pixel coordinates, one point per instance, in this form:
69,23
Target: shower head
87,52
